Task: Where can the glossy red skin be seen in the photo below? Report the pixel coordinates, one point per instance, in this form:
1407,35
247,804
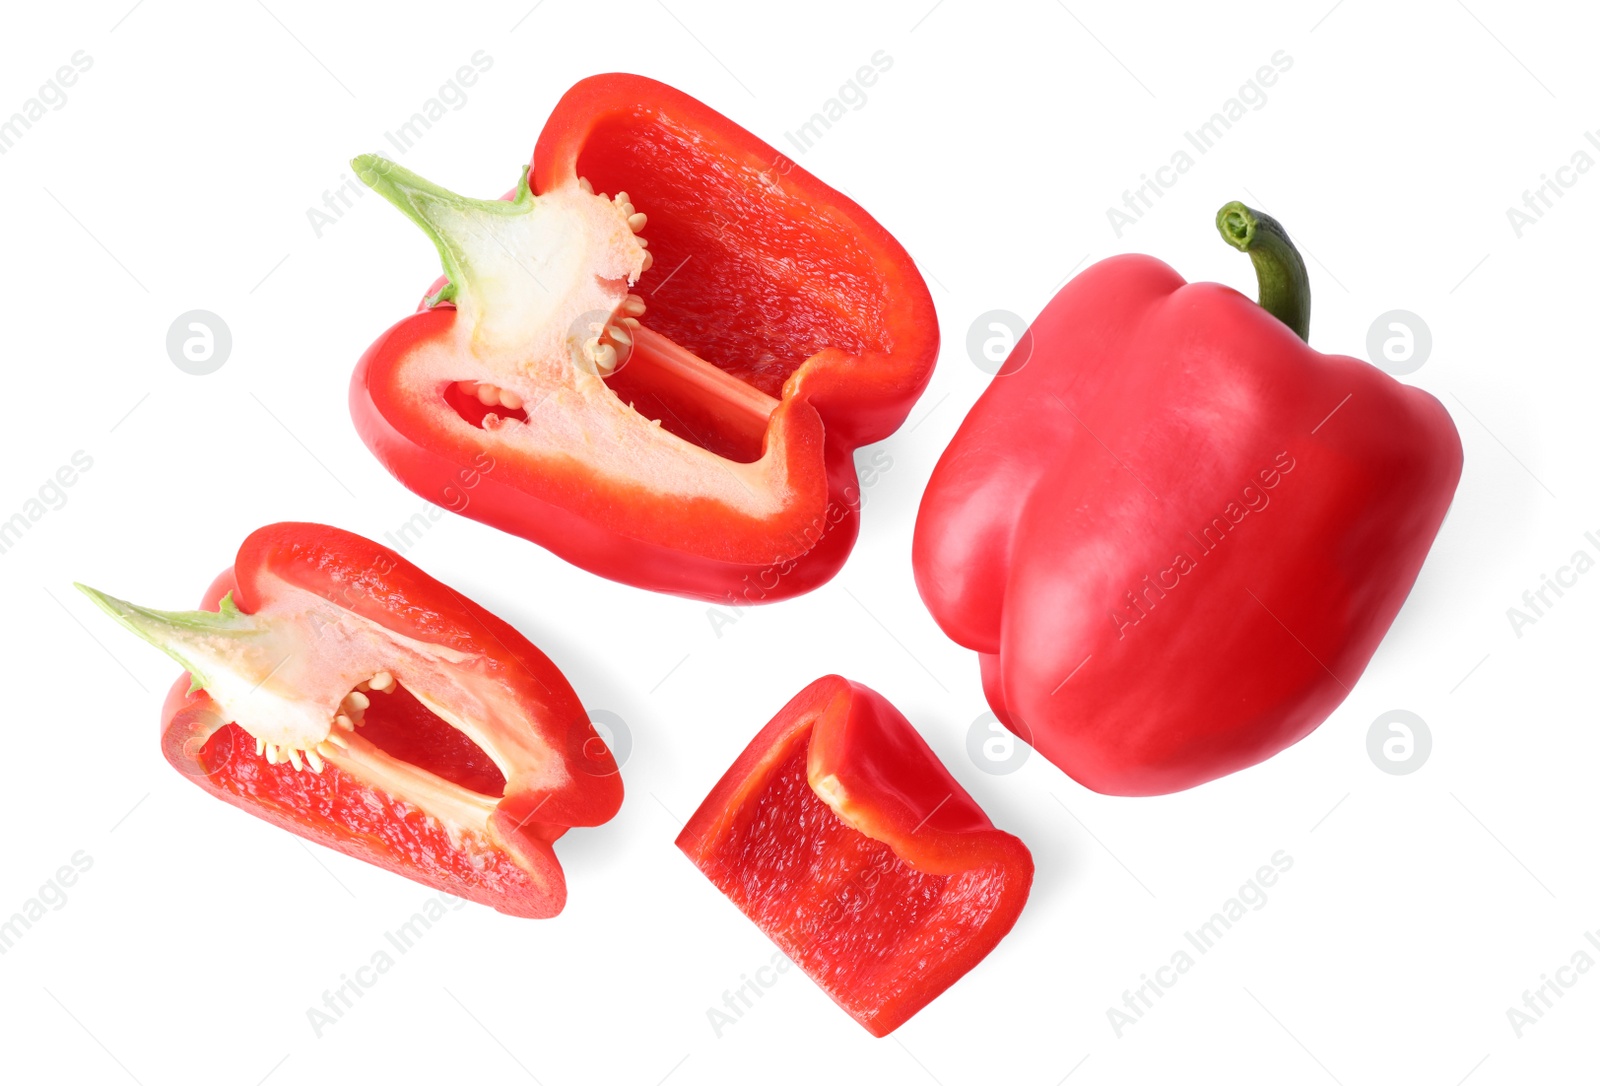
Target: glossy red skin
1147,405
884,912
846,378
512,868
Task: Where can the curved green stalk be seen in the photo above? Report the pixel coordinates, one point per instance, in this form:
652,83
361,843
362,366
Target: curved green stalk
452,222
1285,289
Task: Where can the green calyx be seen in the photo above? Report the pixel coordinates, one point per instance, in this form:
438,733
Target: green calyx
1285,288
198,640
451,221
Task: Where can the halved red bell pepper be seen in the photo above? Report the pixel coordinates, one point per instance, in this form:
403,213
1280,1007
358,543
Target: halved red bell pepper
339,692
842,835
1174,532
680,417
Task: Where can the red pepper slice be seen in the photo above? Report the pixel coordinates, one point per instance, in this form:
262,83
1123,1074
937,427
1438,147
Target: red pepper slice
1174,532
840,833
339,692
680,417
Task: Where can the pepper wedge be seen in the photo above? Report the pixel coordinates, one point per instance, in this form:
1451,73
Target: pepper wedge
840,833
666,385
339,692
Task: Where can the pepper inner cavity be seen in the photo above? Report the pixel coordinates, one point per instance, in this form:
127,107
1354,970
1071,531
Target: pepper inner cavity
392,719
397,722
661,381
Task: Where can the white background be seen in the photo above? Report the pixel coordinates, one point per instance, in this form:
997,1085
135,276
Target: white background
177,176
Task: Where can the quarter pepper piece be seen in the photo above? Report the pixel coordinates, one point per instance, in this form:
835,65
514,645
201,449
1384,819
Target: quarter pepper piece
339,692
1174,533
657,356
847,841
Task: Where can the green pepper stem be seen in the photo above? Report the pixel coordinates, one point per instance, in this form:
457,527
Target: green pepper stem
195,639
449,220
1285,289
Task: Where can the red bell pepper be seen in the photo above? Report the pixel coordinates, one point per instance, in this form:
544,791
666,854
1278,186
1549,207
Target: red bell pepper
846,840
1173,531
339,692
680,417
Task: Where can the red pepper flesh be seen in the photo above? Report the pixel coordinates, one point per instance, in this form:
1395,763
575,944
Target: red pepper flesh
341,693
840,833
1174,532
680,417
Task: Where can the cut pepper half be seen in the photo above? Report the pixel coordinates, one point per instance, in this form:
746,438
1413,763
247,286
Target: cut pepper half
336,690
657,356
840,833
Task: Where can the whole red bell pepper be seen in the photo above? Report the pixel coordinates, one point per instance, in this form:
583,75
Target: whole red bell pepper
664,386
847,841
1174,532
339,692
